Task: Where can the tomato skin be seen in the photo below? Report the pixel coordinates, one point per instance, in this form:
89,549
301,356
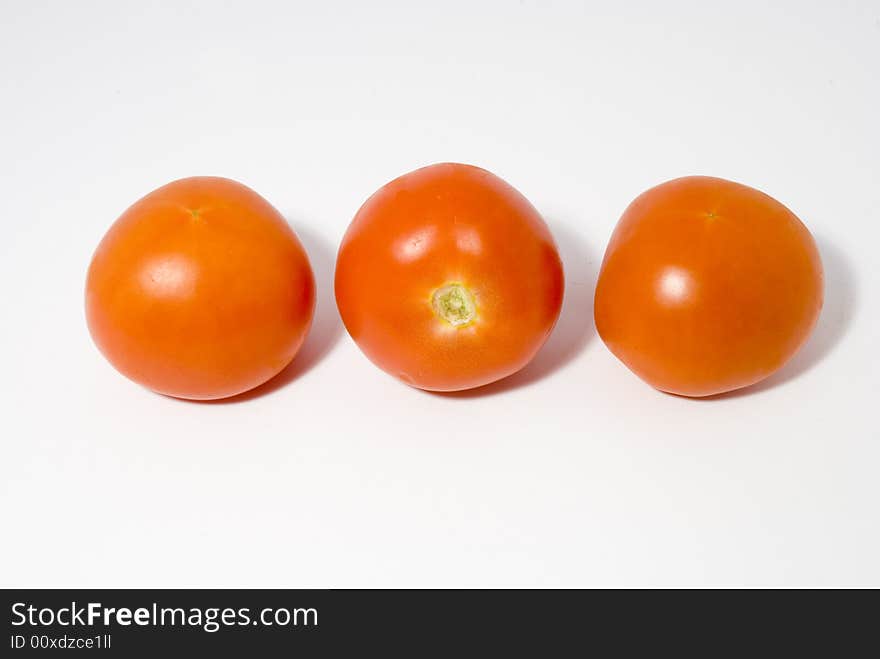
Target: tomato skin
439,226
707,286
200,290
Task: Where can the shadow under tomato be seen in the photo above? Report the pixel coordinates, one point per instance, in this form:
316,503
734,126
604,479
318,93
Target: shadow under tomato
326,326
574,329
839,310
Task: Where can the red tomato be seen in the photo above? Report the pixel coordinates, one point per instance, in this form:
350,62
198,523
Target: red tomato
448,278
707,286
200,290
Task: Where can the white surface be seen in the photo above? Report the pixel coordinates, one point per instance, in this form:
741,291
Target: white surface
574,472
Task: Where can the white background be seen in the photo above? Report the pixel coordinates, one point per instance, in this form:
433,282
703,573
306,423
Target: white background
571,473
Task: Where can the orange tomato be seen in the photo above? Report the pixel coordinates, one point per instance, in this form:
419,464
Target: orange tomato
448,278
200,290
707,286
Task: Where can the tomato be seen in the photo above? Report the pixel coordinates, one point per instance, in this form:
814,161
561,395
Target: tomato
200,290
707,286
448,278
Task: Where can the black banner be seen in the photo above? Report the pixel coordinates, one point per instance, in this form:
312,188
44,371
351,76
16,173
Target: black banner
133,623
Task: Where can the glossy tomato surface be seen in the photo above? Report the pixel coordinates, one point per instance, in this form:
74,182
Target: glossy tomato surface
200,290
707,286
448,278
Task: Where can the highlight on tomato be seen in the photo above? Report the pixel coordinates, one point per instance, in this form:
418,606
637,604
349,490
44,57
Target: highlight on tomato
200,290
448,278
707,286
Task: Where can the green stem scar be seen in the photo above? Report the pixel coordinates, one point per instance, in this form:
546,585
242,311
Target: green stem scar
455,304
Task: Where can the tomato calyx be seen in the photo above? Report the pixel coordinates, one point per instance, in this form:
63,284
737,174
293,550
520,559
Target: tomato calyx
454,304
